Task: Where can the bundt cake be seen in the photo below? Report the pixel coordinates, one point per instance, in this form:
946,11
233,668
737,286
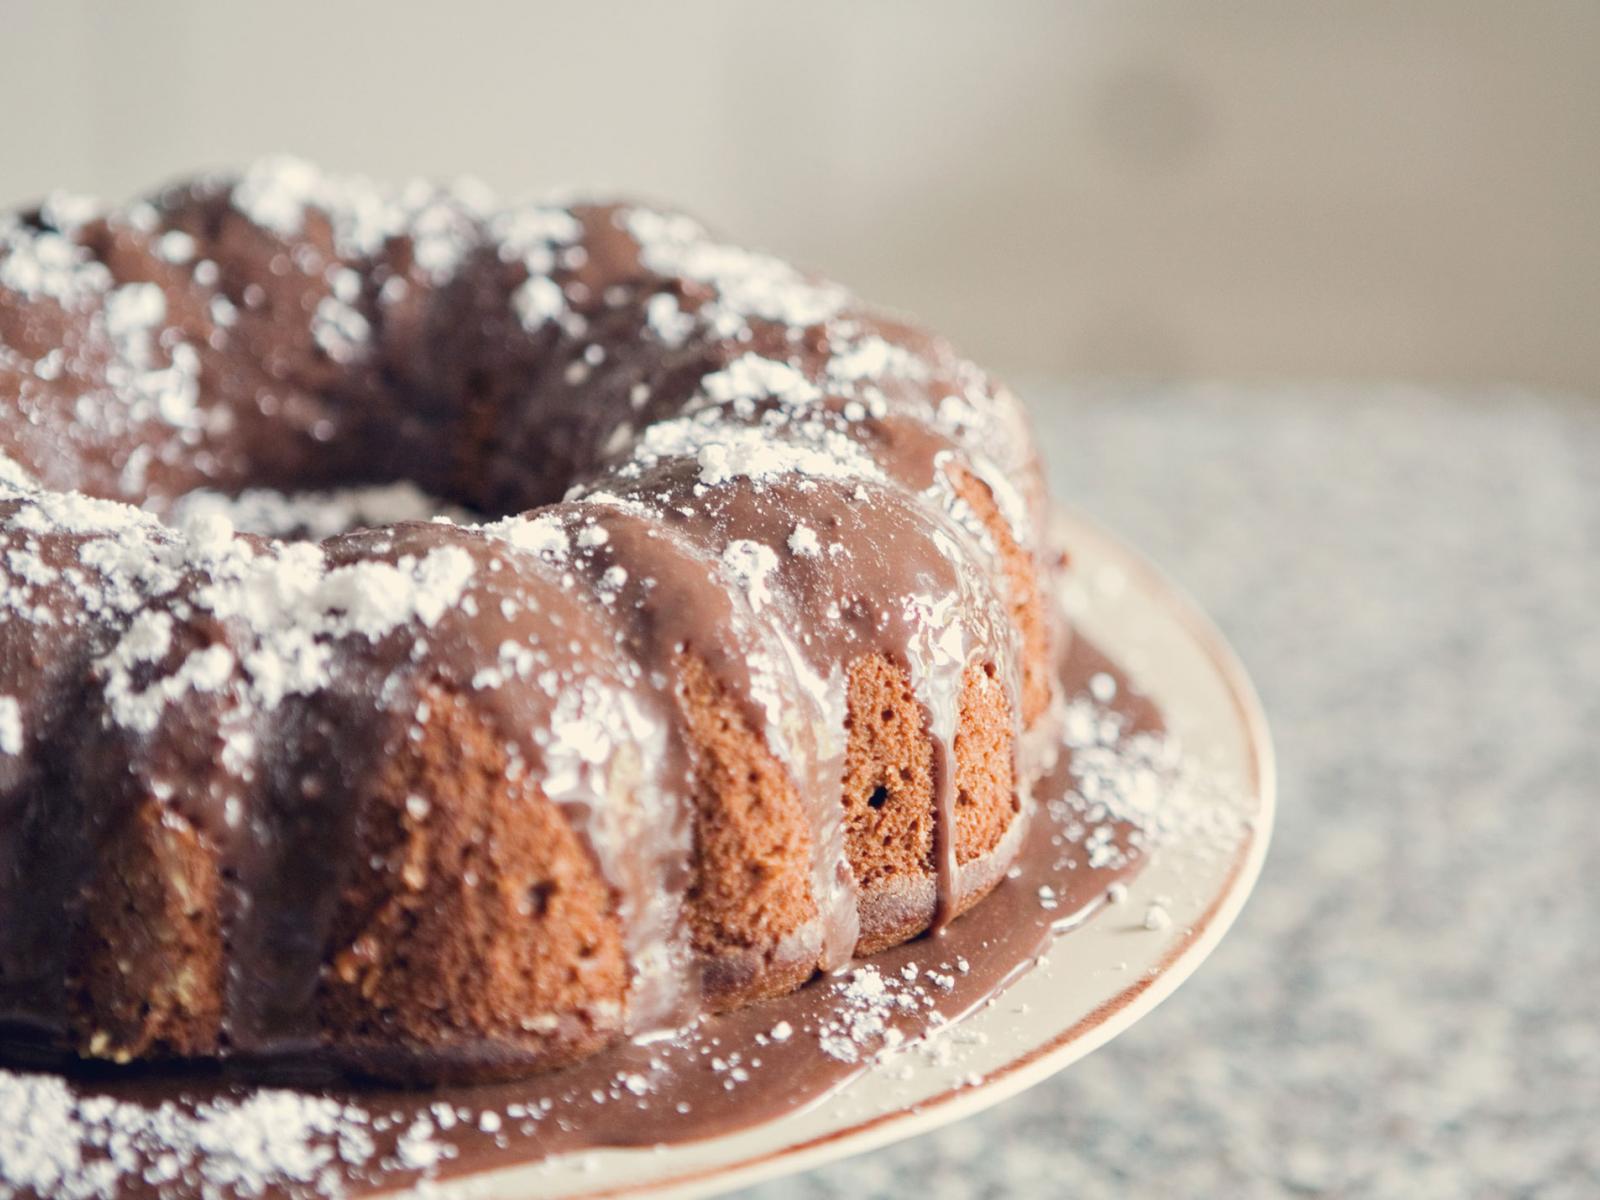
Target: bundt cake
721,682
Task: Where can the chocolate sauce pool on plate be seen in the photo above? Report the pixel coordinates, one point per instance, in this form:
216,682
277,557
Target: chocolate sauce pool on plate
726,1073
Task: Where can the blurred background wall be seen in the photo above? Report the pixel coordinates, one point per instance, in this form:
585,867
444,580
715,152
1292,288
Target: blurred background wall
1157,187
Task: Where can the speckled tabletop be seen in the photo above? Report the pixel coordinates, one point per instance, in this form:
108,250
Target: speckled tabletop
1410,1004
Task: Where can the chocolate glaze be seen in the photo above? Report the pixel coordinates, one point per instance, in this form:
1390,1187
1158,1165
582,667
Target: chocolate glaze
687,1093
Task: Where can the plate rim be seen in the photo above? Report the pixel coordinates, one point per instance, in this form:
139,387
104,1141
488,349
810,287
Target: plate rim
1091,1031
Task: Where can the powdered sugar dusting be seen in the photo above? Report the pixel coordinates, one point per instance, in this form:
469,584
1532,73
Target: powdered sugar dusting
442,222
10,725
751,377
748,284
48,265
804,541
538,300
317,515
290,604
56,1141
726,450
752,565
14,477
1144,780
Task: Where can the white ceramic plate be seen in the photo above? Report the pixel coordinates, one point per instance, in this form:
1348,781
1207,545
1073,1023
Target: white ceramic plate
1097,980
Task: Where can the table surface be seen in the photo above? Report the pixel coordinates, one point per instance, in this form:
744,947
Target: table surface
1410,1004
